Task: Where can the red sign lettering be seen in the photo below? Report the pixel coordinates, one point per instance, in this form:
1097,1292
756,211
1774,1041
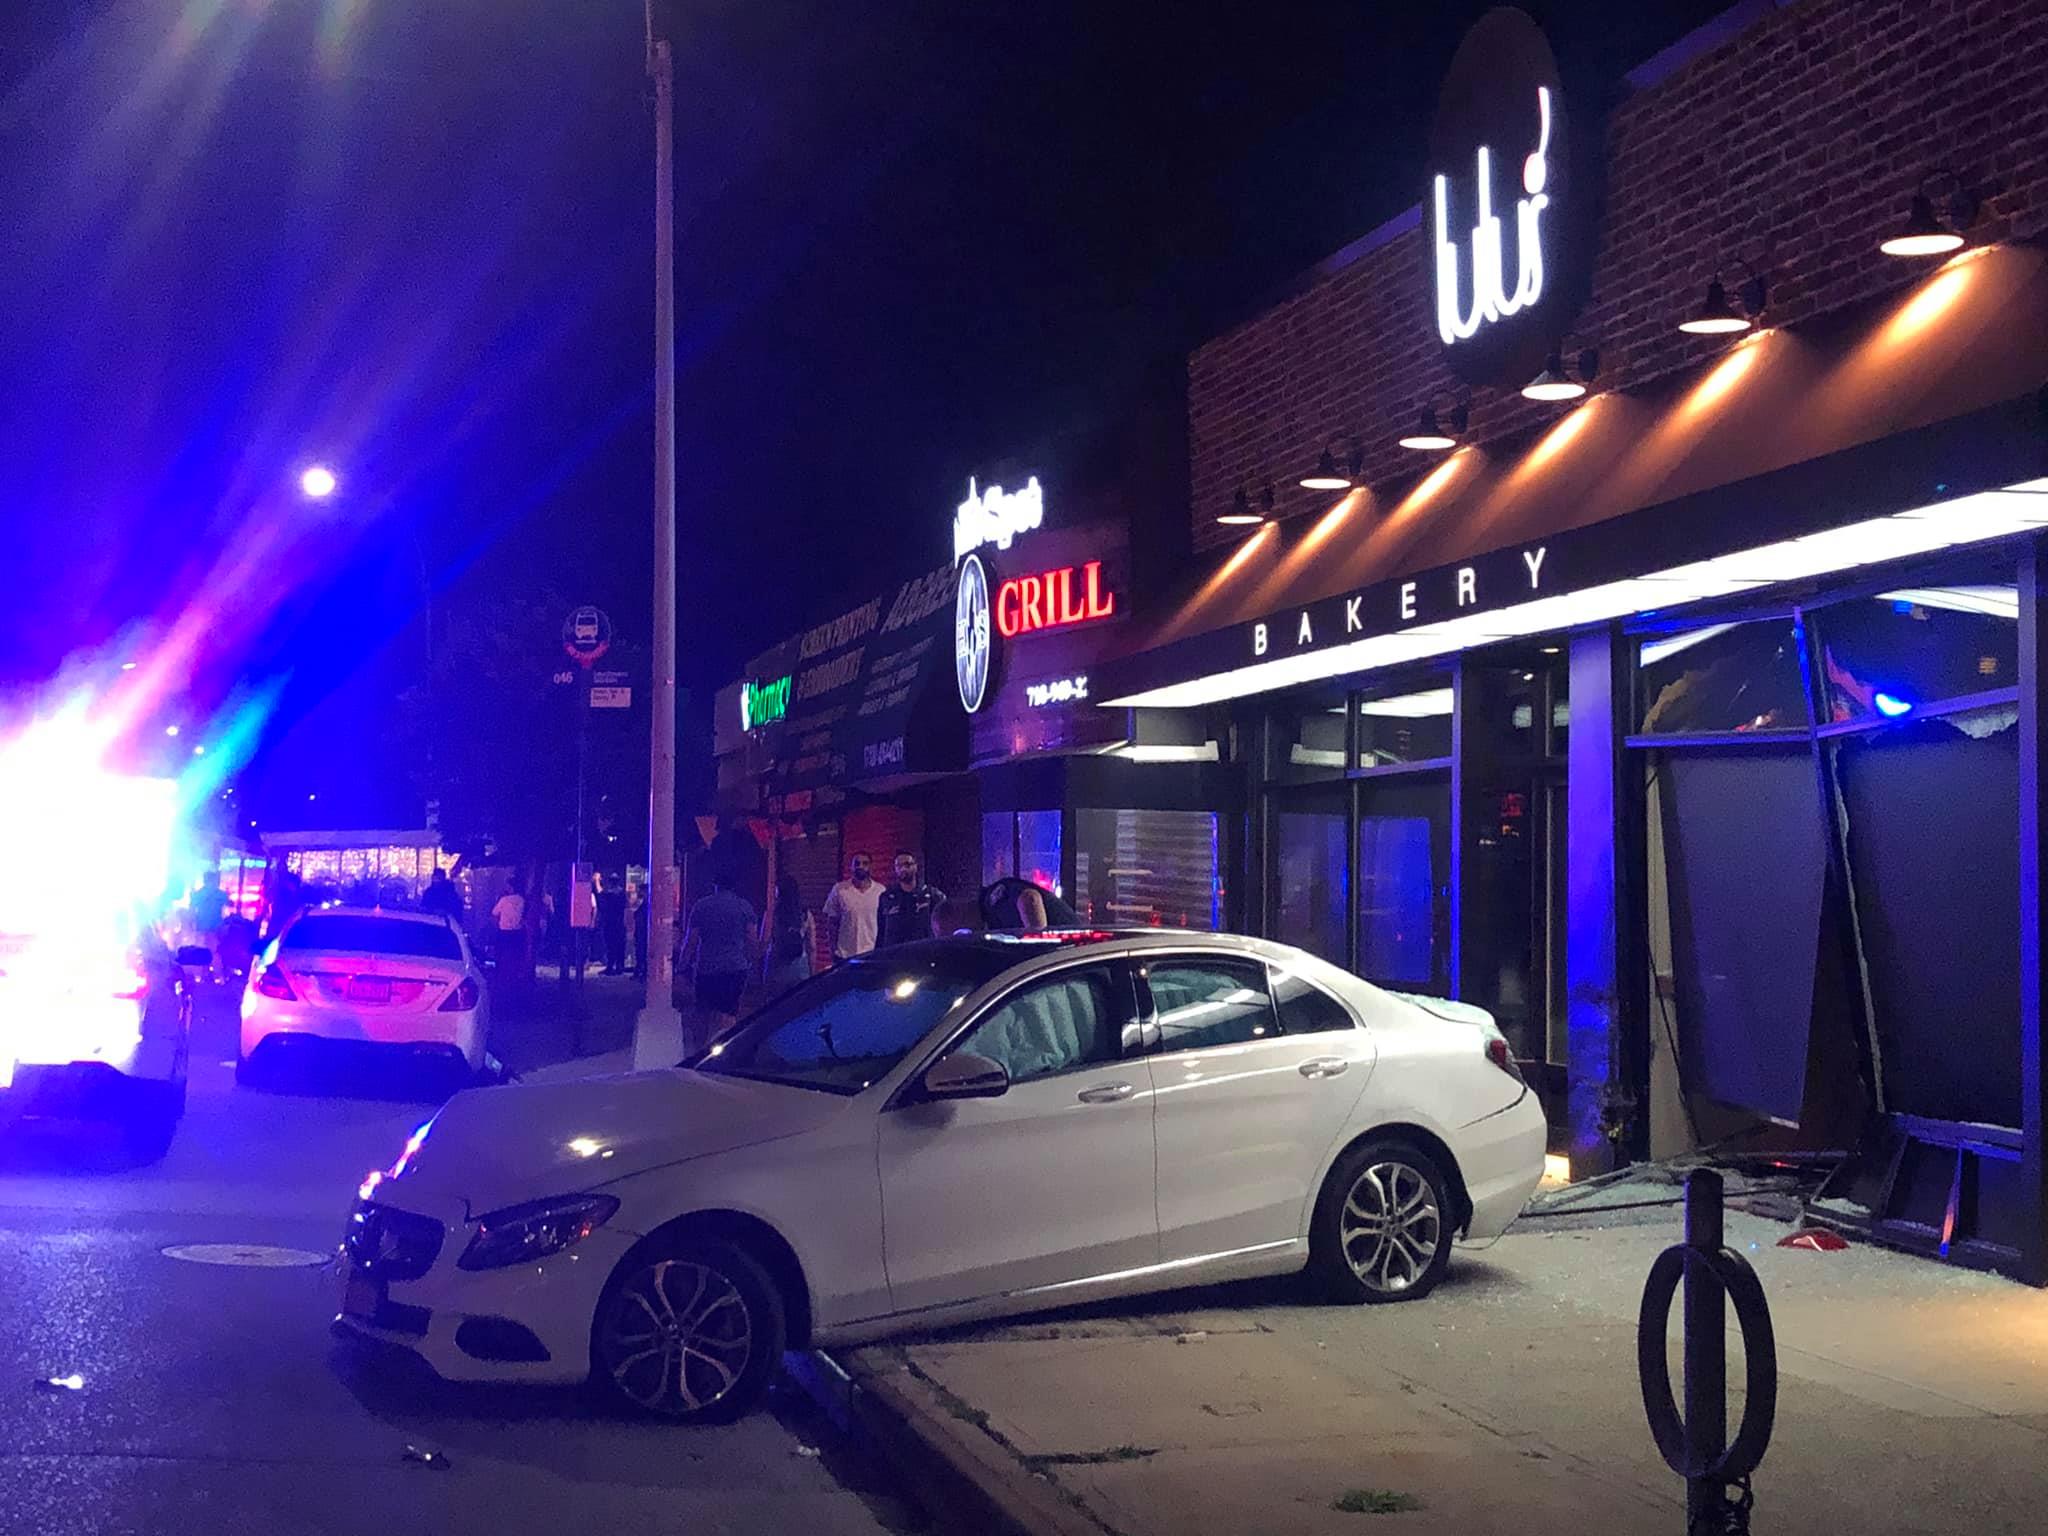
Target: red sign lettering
1052,600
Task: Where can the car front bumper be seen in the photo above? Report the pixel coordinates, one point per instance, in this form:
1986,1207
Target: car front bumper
514,1313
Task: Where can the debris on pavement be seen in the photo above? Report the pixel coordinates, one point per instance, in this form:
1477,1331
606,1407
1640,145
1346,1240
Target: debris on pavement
1374,1501
414,1456
807,1451
72,1383
1818,1239
1193,1337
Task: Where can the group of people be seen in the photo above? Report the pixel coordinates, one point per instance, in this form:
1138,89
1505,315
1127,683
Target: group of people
596,920
724,936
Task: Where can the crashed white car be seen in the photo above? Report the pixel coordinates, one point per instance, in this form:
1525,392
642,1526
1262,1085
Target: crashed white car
939,1132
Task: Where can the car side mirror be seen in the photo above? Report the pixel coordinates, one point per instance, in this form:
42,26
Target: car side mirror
964,1075
194,954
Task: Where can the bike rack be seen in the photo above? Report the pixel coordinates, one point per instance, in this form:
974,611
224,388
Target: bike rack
1697,1446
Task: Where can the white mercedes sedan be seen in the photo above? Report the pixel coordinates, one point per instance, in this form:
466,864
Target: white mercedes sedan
941,1132
370,979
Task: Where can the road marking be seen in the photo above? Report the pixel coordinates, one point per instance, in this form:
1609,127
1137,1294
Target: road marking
245,1255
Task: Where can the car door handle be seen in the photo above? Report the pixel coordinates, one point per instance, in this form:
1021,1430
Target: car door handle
1323,1066
1106,1093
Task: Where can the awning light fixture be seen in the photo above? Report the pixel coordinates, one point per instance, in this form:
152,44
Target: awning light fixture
1434,434
1931,228
1328,475
1241,514
1720,315
1556,383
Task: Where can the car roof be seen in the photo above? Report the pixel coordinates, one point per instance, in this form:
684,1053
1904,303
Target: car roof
1009,950
392,914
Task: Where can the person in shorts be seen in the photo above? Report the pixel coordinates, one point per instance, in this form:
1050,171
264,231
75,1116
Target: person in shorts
718,951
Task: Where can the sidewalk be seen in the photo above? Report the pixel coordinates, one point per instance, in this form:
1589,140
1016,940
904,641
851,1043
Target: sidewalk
1912,1398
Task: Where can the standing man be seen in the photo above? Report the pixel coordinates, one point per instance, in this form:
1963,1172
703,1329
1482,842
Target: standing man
582,919
441,896
717,950
611,920
851,909
508,922
909,909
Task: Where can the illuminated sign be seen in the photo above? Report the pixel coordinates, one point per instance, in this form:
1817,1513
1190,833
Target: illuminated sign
1052,600
996,516
763,703
1065,690
1433,598
1509,229
1490,298
973,648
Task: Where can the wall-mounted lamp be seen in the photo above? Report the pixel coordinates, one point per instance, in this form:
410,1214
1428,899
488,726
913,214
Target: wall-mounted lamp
1555,382
1241,514
1436,434
1328,475
1720,315
1934,228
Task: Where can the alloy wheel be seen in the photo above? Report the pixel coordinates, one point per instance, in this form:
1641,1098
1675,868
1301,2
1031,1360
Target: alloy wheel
1390,1227
677,1338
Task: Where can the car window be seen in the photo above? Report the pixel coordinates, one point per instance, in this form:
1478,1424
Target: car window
373,936
1204,1001
1066,1021
845,1029
1304,1007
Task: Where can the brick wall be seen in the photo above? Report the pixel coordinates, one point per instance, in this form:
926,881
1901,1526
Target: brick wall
1796,146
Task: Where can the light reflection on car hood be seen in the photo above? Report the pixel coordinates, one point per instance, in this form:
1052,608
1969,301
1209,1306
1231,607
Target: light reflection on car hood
494,1147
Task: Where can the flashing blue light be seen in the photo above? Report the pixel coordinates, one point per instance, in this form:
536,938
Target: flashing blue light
1890,707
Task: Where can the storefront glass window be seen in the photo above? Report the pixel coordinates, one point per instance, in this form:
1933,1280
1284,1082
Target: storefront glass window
1411,726
998,846
1038,849
1887,655
1722,677
1311,877
1154,869
1403,855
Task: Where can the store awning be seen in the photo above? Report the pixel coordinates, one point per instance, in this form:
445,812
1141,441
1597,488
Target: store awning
1715,481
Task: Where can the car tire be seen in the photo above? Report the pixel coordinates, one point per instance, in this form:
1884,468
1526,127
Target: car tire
1383,1225
151,1125
689,1331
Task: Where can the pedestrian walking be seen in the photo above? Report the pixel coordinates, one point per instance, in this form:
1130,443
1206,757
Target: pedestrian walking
850,907
582,920
716,951
789,937
909,909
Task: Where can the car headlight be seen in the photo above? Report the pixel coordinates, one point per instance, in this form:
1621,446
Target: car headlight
534,1230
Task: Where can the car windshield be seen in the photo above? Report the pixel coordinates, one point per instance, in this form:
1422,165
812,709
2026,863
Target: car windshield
373,936
846,1029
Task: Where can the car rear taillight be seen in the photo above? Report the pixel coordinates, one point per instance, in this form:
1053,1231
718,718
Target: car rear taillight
274,983
463,998
132,985
1499,1053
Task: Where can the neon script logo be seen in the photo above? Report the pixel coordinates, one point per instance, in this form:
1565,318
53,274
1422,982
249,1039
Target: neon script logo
763,703
1053,600
1490,297
996,516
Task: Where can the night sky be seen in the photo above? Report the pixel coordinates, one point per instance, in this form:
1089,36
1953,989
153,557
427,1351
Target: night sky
413,238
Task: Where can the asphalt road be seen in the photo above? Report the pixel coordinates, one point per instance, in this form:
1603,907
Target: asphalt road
212,1398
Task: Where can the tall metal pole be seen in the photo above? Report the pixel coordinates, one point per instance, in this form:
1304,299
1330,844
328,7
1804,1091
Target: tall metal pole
658,1032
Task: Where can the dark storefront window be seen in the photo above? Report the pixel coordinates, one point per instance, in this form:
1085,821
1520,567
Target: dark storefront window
1902,650
1931,812
1723,677
1311,901
1038,849
998,846
1396,899
1410,727
1155,869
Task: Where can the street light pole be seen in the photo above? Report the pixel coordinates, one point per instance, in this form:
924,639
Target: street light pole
658,1032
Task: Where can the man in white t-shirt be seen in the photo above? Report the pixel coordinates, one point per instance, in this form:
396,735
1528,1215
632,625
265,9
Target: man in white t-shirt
508,917
850,908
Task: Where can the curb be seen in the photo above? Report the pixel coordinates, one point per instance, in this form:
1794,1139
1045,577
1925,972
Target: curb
964,1477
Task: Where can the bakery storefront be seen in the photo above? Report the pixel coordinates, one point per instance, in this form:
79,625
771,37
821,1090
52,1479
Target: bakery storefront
1643,638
